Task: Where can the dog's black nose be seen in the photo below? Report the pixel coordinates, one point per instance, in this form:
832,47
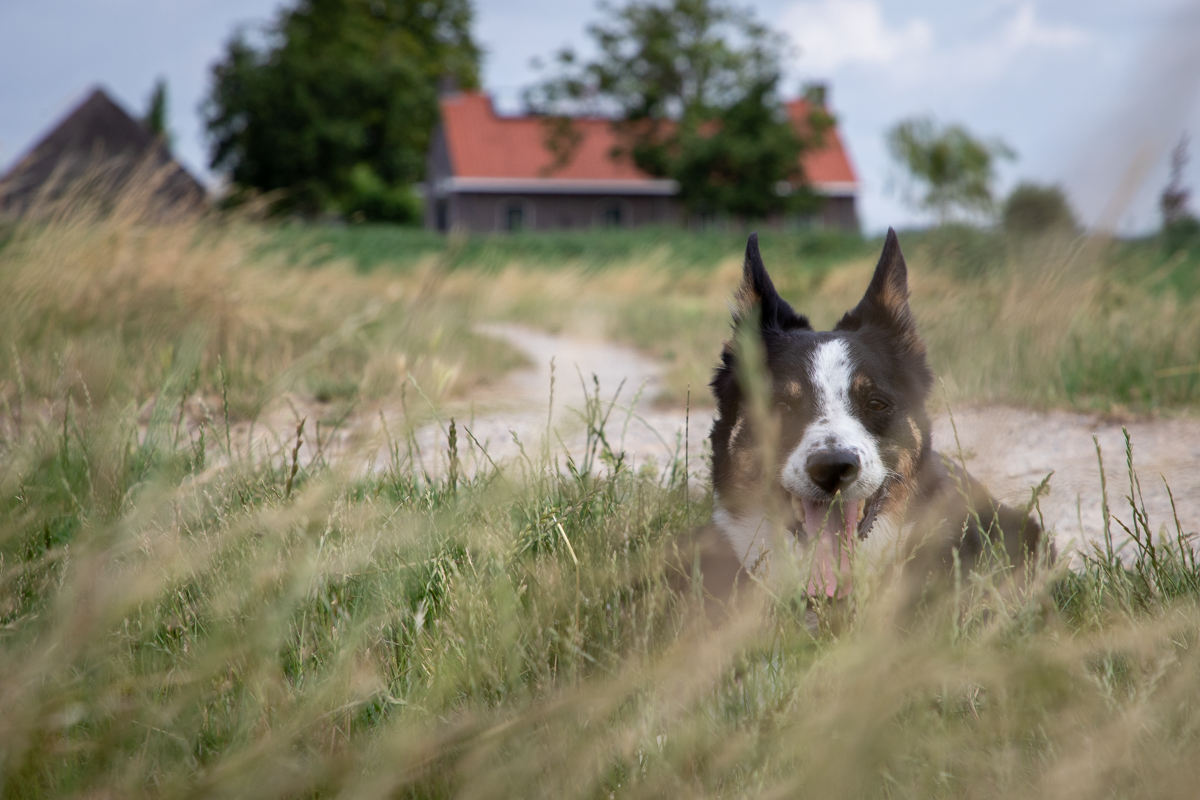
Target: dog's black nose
832,469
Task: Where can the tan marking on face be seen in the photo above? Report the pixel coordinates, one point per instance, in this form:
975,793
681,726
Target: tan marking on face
746,467
918,437
897,499
791,390
736,430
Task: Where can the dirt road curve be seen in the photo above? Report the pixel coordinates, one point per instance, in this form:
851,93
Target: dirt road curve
1008,449
520,406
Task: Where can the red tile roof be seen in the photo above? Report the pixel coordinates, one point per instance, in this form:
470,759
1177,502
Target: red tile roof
830,164
483,144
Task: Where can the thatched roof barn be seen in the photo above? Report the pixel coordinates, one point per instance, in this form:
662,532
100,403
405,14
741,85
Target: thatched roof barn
98,151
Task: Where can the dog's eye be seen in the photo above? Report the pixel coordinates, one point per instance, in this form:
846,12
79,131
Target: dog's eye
783,408
878,404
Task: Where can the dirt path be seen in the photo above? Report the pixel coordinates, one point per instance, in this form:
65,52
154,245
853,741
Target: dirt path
1012,449
1009,449
520,406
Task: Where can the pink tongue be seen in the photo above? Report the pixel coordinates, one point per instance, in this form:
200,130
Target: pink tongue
832,532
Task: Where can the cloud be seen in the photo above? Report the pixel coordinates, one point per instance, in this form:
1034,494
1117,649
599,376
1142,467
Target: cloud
991,56
1025,30
835,33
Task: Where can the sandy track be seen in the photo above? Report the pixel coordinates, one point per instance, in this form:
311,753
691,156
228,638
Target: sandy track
1012,449
520,405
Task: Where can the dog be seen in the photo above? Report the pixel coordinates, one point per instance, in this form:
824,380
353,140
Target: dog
830,463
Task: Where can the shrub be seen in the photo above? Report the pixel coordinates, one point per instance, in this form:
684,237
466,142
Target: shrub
1034,209
1181,234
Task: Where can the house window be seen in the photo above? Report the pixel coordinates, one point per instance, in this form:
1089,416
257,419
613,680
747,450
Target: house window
612,214
515,214
514,217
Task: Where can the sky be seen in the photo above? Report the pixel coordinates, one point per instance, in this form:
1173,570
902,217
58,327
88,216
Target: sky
1090,94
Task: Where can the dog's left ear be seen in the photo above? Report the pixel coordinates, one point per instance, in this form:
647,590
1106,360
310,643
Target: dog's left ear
886,301
757,295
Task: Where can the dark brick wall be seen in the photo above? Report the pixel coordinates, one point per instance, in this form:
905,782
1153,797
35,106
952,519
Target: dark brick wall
838,212
487,213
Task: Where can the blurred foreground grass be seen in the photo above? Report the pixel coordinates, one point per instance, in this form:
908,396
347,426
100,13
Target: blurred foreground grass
181,618
176,622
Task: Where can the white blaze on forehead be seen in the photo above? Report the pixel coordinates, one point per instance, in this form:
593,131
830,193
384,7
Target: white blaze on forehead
835,427
830,373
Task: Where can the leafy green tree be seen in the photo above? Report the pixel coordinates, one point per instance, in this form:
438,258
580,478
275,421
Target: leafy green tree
156,113
691,86
1034,209
739,165
949,168
333,113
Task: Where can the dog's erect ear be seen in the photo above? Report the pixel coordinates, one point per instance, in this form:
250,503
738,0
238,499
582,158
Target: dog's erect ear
757,294
886,300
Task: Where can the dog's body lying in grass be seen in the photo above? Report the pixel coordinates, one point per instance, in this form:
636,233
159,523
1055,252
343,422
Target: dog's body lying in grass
846,475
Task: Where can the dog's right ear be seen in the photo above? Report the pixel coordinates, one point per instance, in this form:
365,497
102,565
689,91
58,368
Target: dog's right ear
886,300
757,296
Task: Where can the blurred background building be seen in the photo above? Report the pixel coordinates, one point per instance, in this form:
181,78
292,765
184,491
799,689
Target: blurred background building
95,153
489,173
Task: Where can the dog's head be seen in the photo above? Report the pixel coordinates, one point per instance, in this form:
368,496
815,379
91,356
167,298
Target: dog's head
845,419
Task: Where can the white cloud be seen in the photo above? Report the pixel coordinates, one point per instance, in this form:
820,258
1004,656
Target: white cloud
835,33
1025,30
991,56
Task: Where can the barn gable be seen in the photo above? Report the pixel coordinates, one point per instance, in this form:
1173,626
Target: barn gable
101,143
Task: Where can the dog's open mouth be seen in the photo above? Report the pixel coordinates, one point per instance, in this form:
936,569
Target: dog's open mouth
831,529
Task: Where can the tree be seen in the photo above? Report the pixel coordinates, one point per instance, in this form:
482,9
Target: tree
738,166
691,86
156,113
335,110
956,170
1174,199
1180,227
1034,209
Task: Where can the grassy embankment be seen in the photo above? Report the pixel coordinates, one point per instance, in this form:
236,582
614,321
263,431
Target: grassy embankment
1056,322
180,619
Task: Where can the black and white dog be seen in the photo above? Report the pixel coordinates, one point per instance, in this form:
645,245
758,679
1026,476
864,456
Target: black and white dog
845,473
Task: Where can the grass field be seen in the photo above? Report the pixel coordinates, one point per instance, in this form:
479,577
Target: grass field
1062,321
179,618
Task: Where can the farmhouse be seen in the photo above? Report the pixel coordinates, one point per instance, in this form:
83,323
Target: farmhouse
488,172
98,151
